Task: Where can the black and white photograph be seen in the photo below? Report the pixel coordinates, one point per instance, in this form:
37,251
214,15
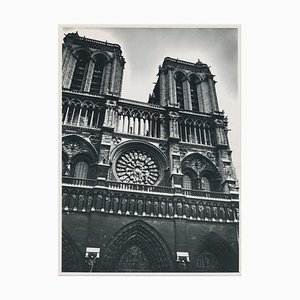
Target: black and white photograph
150,149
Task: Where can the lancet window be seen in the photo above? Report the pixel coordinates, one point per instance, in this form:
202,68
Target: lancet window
97,76
179,90
138,122
84,114
196,132
80,71
194,96
81,169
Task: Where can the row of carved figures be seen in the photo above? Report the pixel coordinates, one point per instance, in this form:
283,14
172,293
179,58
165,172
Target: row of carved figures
146,206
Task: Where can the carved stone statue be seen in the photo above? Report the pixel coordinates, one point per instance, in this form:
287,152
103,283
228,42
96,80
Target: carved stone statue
72,202
179,209
186,209
215,213
107,203
208,212
230,214
170,209
68,169
148,207
124,205
201,212
140,206
193,211
222,213
116,204
132,205
163,208
155,208
98,202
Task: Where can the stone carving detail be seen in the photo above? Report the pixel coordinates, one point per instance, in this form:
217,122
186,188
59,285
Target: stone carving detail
183,152
209,155
222,213
197,164
163,147
135,166
201,212
116,140
72,147
148,206
94,139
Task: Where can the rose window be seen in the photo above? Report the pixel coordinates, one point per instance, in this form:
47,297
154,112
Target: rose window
137,166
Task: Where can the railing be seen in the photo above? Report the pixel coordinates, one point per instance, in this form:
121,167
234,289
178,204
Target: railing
138,187
78,181
116,185
206,194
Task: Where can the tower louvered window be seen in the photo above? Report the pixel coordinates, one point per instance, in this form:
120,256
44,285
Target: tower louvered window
194,97
97,77
179,91
79,72
81,170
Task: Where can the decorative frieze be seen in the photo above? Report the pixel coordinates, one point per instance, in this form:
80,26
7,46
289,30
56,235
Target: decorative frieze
149,206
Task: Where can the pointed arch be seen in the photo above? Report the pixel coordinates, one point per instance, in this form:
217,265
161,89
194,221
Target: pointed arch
194,96
202,168
80,70
84,147
143,236
100,60
72,258
179,77
214,254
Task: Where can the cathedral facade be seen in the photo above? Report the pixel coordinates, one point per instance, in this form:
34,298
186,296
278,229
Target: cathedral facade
146,187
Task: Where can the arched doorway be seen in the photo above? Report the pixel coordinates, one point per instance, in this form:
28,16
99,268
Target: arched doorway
72,260
136,248
214,254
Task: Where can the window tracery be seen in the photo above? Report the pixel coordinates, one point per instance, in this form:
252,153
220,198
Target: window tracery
136,166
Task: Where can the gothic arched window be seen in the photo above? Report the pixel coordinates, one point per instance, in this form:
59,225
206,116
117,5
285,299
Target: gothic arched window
80,72
187,182
205,184
179,91
81,169
194,97
97,76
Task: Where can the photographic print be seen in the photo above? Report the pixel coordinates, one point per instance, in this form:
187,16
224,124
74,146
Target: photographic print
150,149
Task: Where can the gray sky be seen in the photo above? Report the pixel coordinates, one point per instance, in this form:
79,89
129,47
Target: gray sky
145,48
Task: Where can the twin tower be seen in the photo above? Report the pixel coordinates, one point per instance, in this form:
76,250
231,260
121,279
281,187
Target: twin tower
151,186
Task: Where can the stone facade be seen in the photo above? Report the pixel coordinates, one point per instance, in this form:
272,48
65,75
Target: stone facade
150,185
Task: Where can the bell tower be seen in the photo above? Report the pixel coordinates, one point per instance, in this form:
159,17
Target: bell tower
146,187
186,85
92,66
187,91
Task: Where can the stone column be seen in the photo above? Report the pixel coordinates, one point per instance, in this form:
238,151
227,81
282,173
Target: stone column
187,94
162,87
106,78
206,96
212,88
68,71
200,96
113,75
89,75
171,86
